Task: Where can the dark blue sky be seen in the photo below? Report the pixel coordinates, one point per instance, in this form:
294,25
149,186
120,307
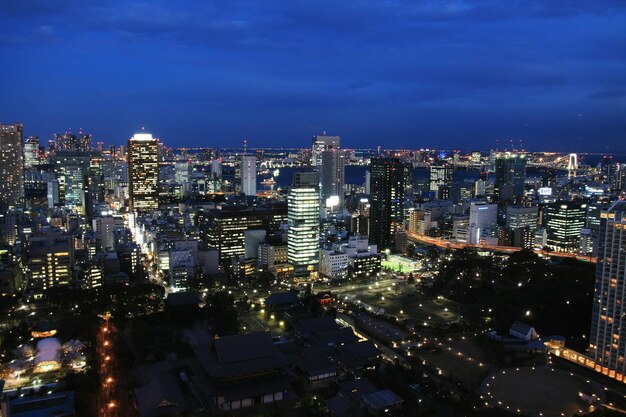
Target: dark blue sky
445,74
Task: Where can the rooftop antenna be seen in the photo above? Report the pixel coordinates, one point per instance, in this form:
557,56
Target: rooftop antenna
245,146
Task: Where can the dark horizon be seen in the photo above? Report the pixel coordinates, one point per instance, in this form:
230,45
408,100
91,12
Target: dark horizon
445,75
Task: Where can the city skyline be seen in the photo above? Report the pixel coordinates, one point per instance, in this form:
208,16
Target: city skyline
432,75
334,209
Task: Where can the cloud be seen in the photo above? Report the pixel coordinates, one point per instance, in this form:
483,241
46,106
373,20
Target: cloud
323,62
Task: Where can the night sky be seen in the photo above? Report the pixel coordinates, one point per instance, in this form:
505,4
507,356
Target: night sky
444,74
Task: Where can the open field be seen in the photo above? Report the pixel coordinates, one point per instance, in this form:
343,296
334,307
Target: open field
538,391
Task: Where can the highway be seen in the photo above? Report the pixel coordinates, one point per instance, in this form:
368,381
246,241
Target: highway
445,244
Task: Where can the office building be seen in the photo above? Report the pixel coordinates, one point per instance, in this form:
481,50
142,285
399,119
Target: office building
11,164
518,217
333,264
483,221
70,142
225,229
592,225
332,179
608,170
510,176
438,175
270,255
216,168
563,222
320,144
31,152
607,340
50,261
143,172
80,180
108,229
303,216
245,175
387,183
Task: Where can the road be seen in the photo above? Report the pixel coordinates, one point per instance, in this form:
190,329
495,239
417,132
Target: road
446,244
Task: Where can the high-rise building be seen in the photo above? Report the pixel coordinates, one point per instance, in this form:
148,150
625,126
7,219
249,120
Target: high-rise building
143,172
332,179
387,183
483,221
80,180
245,175
518,217
320,144
11,164
620,178
70,142
607,340
216,168
225,229
439,174
564,221
510,176
50,261
31,152
107,229
303,217
608,167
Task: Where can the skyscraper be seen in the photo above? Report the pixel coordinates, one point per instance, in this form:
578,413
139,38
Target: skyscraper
80,182
608,336
70,142
11,164
143,172
563,222
320,144
483,221
31,152
332,179
245,174
387,183
303,217
440,174
510,176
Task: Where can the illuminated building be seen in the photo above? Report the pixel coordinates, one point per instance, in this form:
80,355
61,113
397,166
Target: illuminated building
483,221
607,338
510,176
80,180
332,178
31,152
320,144
70,142
564,221
387,183
439,175
143,172
50,261
270,255
245,175
225,229
518,217
303,214
11,164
